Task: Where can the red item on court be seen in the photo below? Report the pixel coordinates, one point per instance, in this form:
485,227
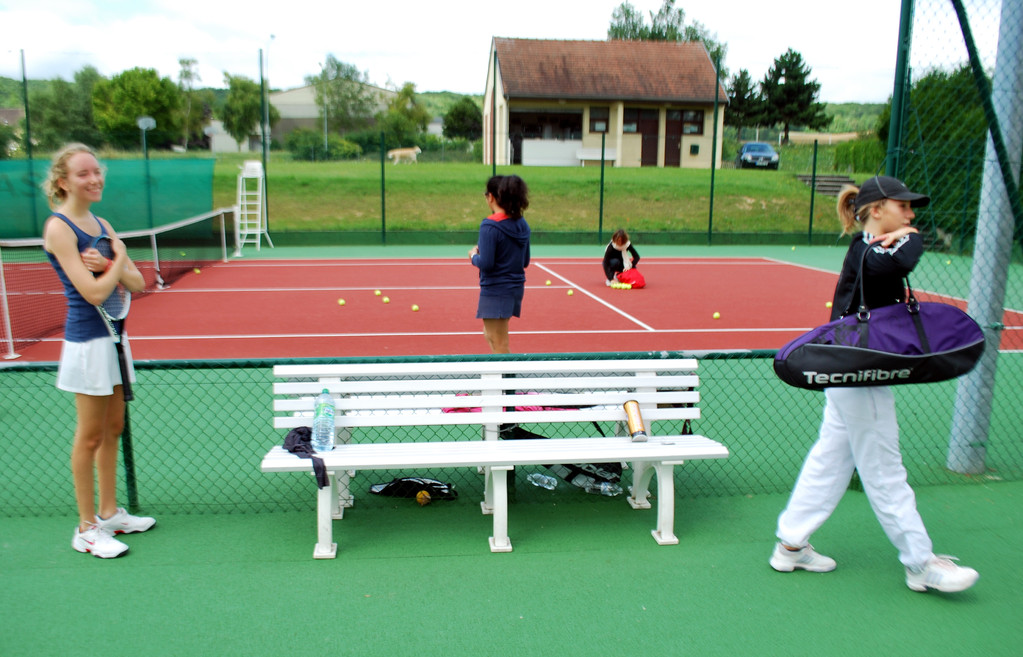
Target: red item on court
632,277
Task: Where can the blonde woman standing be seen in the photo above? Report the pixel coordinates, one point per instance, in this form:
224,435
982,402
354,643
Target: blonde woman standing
88,361
860,431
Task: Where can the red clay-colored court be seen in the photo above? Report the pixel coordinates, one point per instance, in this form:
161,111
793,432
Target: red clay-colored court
290,309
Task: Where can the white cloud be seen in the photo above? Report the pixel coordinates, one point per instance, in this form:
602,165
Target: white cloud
441,45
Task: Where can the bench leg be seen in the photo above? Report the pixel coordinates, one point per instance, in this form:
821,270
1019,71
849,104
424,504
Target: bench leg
495,503
642,472
326,502
665,532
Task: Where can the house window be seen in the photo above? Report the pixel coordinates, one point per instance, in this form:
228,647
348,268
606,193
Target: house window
692,122
599,118
630,121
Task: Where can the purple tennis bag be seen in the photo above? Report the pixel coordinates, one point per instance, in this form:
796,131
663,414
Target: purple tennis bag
910,342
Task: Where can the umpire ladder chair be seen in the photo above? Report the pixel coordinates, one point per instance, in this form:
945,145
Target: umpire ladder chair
250,208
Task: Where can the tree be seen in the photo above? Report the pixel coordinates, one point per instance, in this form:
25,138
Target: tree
405,119
62,111
8,140
343,92
118,103
745,105
668,24
464,120
187,77
243,110
790,96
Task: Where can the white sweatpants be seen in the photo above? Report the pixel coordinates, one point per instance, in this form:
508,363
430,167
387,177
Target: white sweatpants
859,431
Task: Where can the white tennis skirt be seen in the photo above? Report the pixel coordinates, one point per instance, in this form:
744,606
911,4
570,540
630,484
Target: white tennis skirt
90,368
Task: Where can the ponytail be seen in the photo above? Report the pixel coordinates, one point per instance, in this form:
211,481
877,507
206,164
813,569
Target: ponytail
846,208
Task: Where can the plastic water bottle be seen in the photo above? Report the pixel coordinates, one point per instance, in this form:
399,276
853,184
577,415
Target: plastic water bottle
542,480
603,488
323,423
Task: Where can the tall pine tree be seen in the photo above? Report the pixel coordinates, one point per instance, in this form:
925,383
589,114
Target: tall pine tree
790,96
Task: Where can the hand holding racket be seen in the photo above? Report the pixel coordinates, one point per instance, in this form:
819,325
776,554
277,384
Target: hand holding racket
114,311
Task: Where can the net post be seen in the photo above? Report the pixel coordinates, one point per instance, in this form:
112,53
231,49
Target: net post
128,453
10,355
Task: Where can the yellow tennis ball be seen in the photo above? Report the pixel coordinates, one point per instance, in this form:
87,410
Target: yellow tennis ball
376,292
415,308
387,299
570,293
548,282
827,305
423,497
717,315
340,302
197,270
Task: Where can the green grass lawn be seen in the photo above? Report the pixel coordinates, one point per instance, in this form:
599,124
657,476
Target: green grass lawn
333,196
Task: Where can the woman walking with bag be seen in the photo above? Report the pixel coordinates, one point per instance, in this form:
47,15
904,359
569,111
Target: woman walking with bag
859,431
502,255
88,359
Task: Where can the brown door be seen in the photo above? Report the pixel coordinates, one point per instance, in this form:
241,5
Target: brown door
673,139
648,123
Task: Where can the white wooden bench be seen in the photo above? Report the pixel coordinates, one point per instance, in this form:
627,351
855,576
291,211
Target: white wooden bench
413,394
585,155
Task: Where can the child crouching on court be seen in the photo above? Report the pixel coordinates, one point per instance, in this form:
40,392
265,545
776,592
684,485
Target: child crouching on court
619,256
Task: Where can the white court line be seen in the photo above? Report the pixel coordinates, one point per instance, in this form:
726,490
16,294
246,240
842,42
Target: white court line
597,299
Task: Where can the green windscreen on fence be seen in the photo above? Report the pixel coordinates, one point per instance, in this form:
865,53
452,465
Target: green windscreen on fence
139,194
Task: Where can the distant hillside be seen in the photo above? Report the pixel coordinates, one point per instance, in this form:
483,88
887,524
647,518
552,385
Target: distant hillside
853,117
439,102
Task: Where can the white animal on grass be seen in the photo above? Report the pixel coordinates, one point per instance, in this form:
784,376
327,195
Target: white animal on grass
406,154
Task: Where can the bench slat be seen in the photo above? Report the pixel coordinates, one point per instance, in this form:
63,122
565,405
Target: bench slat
435,417
476,384
388,456
406,370
557,401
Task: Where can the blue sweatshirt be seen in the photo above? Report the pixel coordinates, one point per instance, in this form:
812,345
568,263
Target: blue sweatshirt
503,255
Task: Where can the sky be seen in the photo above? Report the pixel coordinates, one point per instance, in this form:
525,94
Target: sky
441,45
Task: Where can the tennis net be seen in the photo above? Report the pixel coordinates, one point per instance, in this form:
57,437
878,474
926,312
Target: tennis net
31,297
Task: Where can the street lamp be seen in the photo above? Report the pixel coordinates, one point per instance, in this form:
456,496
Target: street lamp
145,124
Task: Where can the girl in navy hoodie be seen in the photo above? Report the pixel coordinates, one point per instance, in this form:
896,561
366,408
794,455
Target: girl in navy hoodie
502,254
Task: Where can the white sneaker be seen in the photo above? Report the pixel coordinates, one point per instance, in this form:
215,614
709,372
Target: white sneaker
100,542
123,523
785,561
941,574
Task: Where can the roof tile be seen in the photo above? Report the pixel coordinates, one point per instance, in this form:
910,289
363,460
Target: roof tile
660,71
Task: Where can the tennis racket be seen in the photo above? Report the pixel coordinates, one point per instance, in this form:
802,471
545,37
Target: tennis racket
114,311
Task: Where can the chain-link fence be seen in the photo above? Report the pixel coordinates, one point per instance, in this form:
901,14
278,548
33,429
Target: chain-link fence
198,430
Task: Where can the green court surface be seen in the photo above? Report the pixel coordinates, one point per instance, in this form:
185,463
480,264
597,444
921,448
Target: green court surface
584,579
229,568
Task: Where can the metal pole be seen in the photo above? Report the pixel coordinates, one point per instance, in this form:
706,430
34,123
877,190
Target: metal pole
128,455
896,122
493,119
383,194
813,193
600,222
265,106
713,147
28,148
992,254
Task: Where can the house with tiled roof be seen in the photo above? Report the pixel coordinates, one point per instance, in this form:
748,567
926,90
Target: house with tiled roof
563,103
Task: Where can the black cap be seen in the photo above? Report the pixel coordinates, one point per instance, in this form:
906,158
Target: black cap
881,187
